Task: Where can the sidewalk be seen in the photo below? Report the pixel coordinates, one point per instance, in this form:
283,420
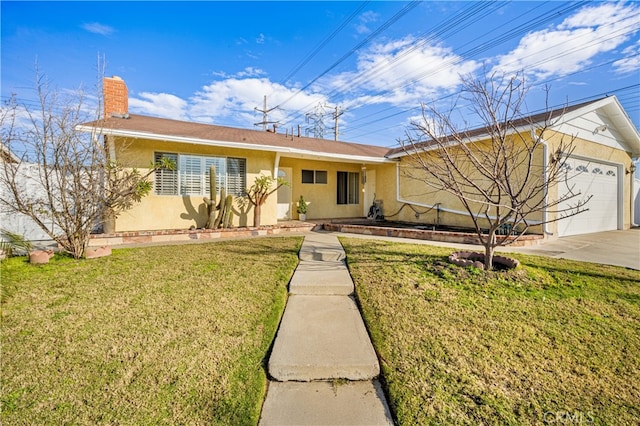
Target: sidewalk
323,366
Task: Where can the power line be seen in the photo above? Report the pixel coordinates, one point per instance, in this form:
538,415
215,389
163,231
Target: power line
476,50
406,9
323,43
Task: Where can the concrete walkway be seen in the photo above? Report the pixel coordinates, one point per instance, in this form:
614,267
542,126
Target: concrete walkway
323,366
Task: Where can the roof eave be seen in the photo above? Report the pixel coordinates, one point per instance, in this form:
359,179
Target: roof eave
477,138
286,151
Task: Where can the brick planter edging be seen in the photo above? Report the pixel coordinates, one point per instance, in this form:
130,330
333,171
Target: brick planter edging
422,234
468,258
39,257
173,235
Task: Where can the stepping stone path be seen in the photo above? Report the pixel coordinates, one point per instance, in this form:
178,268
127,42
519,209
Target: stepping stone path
323,366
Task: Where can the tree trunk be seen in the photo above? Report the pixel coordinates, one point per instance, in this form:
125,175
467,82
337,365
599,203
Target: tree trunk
256,215
489,248
108,221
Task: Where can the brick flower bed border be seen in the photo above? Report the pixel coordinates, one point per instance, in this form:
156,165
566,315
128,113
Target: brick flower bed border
422,234
469,258
177,235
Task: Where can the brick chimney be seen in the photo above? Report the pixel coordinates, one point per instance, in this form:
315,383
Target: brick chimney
116,97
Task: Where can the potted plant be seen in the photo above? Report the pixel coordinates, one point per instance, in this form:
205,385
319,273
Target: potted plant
302,208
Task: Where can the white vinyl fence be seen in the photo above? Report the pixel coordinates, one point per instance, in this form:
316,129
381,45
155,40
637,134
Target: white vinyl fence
19,223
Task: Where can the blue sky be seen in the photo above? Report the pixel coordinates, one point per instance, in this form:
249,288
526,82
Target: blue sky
376,61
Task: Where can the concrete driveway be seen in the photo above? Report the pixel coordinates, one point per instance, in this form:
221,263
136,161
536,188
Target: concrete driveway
619,248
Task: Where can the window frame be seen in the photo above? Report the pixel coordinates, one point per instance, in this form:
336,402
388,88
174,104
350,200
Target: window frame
314,174
347,188
191,176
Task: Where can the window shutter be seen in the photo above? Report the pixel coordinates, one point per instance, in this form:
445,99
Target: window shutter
166,181
236,176
221,173
191,179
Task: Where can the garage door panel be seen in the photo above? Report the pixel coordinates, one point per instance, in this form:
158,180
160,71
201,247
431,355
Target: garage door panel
595,179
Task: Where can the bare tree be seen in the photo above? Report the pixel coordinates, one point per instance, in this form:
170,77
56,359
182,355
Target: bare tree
496,171
63,179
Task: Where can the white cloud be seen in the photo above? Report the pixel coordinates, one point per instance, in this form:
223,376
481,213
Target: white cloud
98,28
234,99
572,44
250,72
159,104
230,100
260,39
369,17
247,72
403,72
631,62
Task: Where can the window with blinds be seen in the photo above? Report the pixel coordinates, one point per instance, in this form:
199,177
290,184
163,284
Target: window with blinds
166,181
192,175
236,176
348,191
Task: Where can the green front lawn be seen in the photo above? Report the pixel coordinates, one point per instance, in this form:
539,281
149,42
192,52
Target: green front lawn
171,335
555,341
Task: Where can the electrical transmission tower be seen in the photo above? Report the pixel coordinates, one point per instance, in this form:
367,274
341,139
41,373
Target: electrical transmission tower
265,115
317,117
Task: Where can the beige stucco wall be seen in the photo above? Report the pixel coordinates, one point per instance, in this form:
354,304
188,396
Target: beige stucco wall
157,212
418,192
450,211
322,198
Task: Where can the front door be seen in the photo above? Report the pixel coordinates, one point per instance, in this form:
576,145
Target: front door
284,194
369,189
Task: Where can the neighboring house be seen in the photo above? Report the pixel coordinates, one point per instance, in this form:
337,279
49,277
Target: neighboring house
340,179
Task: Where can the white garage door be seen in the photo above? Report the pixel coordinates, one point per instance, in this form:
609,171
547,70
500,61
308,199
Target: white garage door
601,182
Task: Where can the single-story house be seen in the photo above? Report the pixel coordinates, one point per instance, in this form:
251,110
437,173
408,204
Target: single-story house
341,179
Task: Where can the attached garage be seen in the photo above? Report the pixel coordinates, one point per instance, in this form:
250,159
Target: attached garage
600,181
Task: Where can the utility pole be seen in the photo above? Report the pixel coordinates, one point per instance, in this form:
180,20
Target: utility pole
265,115
336,115
317,117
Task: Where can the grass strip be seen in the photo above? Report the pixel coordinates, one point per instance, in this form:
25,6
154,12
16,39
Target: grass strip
173,334
555,341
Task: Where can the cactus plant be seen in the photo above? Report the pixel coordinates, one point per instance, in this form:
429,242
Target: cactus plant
226,212
211,201
224,218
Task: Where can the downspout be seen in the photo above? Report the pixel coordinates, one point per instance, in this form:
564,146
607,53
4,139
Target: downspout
545,163
276,165
634,191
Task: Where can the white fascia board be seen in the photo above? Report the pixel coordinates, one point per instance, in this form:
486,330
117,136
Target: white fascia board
283,151
613,109
410,150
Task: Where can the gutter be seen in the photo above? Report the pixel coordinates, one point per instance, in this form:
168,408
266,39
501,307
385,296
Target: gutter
301,153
